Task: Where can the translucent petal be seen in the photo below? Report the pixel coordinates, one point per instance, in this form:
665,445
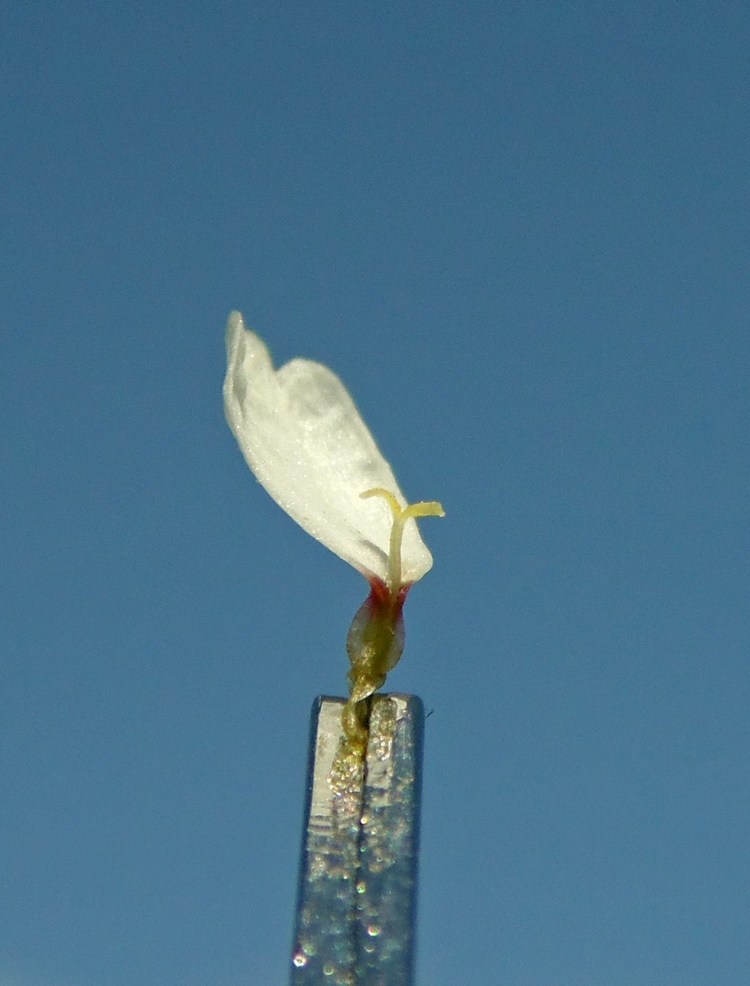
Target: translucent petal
306,443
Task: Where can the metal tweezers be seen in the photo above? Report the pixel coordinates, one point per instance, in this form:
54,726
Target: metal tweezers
356,905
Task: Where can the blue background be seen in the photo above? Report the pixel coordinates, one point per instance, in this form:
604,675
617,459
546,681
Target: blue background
519,233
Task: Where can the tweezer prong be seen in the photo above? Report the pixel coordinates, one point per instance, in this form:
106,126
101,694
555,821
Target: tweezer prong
356,904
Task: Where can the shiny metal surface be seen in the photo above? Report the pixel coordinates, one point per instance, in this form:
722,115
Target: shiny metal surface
356,908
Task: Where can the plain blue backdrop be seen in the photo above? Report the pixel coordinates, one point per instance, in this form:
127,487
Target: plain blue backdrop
519,233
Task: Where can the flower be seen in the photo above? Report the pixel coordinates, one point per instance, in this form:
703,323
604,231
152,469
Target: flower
305,441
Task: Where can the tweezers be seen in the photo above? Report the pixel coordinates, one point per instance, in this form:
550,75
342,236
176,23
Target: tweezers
356,904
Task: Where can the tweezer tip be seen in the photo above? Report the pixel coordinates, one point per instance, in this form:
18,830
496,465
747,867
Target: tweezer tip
358,869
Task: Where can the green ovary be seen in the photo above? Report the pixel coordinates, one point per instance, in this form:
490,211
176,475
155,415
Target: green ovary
376,637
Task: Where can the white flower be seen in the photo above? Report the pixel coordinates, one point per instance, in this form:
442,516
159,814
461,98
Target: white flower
304,439
307,444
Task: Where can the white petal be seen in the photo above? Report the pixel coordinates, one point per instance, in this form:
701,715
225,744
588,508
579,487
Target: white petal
304,439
